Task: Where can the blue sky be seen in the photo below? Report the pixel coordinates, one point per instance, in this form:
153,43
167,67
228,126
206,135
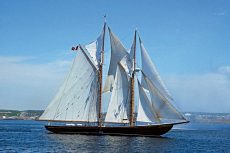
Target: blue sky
187,40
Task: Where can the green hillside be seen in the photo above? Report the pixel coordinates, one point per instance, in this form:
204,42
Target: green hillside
17,113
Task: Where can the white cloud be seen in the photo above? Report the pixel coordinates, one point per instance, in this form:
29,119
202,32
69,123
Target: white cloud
202,93
26,85
14,59
224,70
219,13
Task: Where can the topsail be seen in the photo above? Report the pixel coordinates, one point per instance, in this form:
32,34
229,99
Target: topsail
94,48
118,51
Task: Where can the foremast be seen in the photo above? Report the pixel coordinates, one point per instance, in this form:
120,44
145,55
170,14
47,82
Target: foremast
132,81
100,76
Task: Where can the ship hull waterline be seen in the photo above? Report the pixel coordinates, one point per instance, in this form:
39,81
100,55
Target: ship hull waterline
150,130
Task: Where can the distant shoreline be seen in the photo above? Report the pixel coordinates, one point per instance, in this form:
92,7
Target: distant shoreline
20,115
195,117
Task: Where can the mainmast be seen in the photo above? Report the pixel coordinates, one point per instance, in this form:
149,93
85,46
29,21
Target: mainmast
132,81
100,76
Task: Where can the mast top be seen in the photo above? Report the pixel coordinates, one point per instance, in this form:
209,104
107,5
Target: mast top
105,18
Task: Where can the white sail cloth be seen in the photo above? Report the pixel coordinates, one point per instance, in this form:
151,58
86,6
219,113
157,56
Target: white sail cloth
154,100
118,51
95,48
163,108
119,103
146,111
77,98
127,61
127,64
150,71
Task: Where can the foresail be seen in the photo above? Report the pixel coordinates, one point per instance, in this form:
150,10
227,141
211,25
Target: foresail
119,103
150,71
118,51
77,98
146,111
165,111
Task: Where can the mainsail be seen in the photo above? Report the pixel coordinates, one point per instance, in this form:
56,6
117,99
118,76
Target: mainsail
119,102
77,98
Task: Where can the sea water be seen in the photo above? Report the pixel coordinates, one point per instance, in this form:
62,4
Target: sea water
31,136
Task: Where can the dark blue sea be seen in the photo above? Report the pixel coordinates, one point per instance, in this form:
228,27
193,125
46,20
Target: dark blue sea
30,136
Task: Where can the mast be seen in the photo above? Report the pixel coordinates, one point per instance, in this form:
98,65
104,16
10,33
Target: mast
100,76
132,79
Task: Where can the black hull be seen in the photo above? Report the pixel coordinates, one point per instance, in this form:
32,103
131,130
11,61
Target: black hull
151,130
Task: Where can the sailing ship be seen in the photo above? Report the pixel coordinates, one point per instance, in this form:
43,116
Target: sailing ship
77,106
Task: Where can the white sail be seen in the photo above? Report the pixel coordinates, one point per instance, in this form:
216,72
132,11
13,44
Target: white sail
133,51
150,71
119,103
127,64
77,98
94,48
146,111
128,60
165,111
118,51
